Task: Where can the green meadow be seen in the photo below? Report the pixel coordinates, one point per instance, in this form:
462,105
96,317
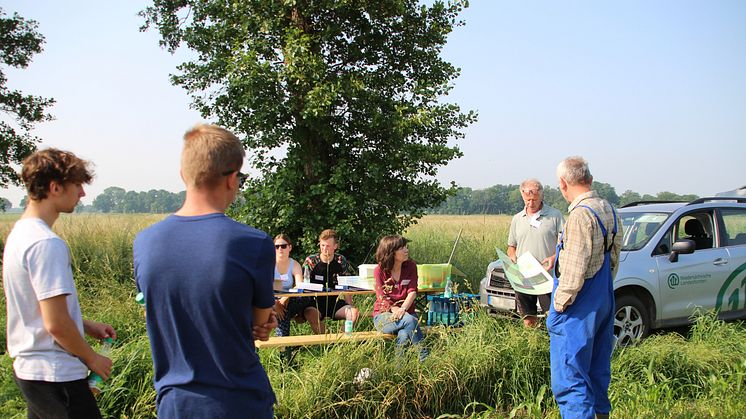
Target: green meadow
490,368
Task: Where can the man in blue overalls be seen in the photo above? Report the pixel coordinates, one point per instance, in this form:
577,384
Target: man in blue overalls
581,318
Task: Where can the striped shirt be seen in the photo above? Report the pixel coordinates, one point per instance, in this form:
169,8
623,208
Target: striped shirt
583,252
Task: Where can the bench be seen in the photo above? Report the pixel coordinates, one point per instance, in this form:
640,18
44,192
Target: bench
324,339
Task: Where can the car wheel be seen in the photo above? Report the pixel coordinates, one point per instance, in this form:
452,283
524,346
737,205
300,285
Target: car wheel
631,320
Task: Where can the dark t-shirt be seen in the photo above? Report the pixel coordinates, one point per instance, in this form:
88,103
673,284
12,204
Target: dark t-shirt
326,273
201,277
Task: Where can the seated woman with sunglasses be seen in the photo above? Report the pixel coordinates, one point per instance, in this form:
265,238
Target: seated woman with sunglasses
290,273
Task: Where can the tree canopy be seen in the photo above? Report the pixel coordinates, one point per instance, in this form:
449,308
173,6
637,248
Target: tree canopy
5,204
19,41
116,199
339,103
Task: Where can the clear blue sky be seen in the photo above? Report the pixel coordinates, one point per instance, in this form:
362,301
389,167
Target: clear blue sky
651,93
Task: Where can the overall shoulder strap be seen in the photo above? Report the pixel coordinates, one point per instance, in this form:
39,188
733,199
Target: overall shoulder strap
607,246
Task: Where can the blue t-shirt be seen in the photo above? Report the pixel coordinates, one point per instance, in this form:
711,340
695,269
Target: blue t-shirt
201,277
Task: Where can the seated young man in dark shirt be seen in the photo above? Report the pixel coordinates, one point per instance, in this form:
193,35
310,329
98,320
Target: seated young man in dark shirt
324,267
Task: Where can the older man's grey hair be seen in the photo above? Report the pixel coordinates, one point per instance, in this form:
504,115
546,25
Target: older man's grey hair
574,170
532,184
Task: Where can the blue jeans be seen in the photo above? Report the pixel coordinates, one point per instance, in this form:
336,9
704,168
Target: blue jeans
406,329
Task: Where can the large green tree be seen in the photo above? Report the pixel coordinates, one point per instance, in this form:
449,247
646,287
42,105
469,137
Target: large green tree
340,104
19,41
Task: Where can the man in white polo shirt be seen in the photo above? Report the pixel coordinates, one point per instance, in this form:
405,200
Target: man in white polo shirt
45,325
535,229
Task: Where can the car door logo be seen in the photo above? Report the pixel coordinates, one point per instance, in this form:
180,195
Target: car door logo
732,295
673,281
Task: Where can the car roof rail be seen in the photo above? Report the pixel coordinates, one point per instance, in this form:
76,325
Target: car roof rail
740,200
637,203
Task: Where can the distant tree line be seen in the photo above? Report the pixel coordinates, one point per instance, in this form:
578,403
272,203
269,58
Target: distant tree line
498,199
506,199
115,199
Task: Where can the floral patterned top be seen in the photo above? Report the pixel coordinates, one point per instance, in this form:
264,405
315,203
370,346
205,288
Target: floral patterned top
326,273
390,293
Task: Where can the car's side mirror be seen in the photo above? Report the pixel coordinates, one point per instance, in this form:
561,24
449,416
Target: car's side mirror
683,247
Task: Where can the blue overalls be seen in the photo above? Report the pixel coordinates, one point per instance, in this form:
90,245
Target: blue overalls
581,340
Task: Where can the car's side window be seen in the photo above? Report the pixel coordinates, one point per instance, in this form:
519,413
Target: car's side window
664,246
734,225
696,226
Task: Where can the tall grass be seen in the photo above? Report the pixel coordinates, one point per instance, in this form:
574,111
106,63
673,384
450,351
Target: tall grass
490,368
433,240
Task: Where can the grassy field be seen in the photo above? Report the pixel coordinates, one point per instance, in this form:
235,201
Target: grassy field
491,367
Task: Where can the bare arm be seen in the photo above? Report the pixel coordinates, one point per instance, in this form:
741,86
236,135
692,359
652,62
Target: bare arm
98,330
281,307
60,325
264,321
399,312
511,253
409,301
297,272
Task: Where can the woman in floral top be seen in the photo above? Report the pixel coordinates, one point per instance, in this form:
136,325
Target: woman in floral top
396,290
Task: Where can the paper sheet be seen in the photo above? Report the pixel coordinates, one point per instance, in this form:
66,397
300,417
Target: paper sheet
527,275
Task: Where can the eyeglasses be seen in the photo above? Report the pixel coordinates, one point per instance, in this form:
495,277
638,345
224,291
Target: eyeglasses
282,246
530,191
241,177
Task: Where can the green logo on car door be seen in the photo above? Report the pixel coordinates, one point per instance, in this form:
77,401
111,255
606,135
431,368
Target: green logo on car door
673,281
732,295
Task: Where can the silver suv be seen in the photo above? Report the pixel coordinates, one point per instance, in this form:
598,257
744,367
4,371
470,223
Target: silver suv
676,258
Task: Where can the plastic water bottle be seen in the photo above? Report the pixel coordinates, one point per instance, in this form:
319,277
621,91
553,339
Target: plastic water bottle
306,275
431,311
448,292
140,299
439,317
452,313
348,320
95,381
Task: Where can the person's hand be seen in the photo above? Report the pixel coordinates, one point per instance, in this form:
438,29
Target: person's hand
100,365
99,330
558,308
280,310
548,263
397,313
262,331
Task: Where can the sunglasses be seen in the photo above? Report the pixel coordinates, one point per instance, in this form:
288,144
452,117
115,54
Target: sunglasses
282,246
241,177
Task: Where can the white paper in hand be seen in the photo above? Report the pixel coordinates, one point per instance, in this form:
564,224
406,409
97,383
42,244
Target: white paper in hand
527,275
531,267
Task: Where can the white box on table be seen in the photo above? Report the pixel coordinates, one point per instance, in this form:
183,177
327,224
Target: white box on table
356,281
366,270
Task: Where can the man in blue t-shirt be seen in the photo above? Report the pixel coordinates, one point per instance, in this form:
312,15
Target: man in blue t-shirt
207,281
